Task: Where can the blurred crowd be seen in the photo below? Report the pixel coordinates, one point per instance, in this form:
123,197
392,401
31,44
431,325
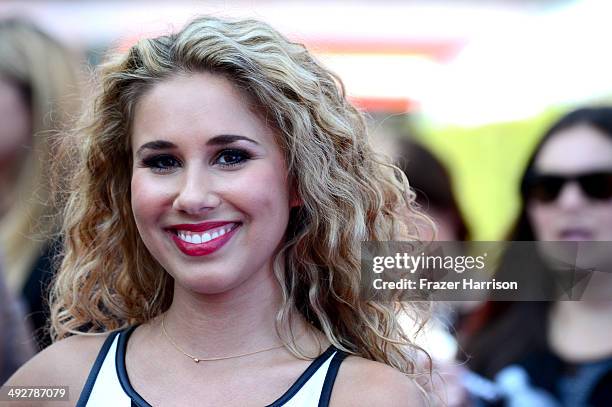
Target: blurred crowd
503,353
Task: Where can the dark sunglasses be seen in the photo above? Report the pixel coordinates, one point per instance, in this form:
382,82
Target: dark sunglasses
547,187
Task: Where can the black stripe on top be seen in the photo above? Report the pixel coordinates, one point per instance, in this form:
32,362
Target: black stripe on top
304,377
95,369
139,401
330,378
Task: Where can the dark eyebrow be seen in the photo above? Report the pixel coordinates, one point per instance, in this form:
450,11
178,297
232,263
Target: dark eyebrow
155,145
215,141
228,139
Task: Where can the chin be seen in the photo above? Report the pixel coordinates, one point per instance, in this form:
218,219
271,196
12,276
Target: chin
207,285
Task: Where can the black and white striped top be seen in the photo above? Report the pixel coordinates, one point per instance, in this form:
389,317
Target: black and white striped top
108,383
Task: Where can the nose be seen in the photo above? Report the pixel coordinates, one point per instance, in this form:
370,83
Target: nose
197,193
571,196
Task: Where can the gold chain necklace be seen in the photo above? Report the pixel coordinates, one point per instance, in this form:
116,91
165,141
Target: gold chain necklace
198,360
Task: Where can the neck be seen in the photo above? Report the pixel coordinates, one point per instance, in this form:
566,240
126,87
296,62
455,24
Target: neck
238,321
580,330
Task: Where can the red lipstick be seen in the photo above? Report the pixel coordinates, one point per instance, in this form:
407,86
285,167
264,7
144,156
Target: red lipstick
204,248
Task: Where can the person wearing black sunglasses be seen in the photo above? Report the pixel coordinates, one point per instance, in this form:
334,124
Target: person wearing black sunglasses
546,188
564,347
568,185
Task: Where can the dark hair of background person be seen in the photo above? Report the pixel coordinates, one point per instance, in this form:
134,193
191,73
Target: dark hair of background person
503,333
46,75
431,181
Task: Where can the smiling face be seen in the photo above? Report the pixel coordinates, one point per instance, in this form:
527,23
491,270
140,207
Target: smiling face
573,215
209,189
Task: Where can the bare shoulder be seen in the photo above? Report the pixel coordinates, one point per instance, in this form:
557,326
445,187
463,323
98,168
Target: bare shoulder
363,382
64,363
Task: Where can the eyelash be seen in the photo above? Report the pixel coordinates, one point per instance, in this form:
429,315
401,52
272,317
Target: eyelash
242,156
160,163
155,163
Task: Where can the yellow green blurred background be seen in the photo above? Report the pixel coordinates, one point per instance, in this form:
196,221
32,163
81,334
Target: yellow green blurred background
485,163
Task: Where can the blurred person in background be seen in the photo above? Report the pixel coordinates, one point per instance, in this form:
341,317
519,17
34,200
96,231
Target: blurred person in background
38,89
432,184
16,344
434,190
555,353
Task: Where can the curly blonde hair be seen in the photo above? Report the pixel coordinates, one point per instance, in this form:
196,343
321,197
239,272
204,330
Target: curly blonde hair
108,280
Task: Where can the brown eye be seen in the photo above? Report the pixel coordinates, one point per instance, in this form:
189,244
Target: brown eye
228,158
161,163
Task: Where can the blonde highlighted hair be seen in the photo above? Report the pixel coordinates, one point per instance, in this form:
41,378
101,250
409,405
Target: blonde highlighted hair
45,73
108,280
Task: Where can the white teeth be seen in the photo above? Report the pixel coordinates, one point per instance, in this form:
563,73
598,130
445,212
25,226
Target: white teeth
196,238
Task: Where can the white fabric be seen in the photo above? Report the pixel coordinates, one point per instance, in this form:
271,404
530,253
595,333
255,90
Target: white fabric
310,393
107,390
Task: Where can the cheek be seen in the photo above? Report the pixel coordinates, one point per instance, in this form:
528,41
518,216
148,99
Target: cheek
138,192
264,194
14,140
148,198
602,218
15,132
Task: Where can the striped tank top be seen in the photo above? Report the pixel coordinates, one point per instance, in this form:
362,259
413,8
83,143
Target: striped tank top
108,383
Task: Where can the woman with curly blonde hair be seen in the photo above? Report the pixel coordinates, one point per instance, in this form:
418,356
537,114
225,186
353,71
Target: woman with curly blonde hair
222,190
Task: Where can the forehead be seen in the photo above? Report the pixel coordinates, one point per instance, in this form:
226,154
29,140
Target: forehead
195,106
576,149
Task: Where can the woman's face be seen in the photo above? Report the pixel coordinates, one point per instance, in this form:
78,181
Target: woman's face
573,215
209,190
15,130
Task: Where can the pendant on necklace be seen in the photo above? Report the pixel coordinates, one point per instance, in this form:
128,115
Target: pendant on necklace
196,360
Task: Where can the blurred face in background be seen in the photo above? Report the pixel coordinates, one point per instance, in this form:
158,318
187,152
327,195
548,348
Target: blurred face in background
570,198
446,225
15,135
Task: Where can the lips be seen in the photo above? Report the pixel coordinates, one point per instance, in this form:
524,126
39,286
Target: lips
576,234
204,238
200,227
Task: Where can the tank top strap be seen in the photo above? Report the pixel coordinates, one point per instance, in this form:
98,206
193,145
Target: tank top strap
314,386
102,381
108,384
330,377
